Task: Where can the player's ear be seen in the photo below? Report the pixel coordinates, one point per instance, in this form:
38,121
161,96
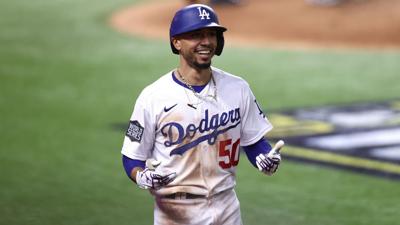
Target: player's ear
177,43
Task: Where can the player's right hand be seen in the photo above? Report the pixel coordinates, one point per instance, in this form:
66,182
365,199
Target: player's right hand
150,179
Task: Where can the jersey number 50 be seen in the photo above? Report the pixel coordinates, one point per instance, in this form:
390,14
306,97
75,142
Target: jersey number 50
228,153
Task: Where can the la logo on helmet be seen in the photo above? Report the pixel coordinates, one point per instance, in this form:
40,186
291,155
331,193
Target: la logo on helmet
203,13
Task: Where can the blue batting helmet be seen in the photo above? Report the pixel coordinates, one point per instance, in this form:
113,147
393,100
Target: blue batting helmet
195,17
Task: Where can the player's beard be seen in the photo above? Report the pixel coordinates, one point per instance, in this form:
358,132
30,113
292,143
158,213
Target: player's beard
192,61
201,66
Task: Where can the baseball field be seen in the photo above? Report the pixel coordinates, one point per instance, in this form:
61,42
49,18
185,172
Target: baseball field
68,82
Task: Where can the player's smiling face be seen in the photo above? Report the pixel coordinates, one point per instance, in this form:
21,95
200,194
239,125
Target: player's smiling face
197,47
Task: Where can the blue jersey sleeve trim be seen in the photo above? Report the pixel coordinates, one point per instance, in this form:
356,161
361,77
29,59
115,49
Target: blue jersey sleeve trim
252,151
129,164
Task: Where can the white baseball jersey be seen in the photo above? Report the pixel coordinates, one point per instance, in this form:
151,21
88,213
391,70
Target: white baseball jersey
195,135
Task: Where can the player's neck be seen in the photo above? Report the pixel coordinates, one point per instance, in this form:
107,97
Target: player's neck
194,76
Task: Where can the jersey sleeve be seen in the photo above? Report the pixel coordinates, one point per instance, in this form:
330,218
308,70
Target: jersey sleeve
140,133
254,122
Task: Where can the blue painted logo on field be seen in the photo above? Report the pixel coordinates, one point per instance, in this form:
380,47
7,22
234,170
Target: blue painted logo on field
363,137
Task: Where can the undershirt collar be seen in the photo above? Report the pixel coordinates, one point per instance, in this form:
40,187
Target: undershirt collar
197,88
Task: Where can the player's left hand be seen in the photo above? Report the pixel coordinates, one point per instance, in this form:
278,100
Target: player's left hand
269,163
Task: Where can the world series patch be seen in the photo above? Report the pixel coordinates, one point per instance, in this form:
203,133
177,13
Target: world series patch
135,131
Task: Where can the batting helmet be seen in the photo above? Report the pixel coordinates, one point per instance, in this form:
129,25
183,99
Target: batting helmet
195,17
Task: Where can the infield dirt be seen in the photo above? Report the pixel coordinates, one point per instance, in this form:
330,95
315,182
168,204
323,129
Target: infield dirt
280,23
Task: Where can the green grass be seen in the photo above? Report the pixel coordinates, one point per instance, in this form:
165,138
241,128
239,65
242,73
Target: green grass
66,78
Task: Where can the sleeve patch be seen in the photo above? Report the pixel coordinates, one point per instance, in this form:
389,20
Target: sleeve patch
135,131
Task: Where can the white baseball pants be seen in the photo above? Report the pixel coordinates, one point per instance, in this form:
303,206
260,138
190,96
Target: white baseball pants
220,209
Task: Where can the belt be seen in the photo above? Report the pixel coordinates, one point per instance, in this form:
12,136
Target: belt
183,195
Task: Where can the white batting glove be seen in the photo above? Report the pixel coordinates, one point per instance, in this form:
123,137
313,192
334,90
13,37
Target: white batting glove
150,179
269,163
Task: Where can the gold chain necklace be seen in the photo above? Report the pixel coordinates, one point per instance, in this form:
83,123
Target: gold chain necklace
214,96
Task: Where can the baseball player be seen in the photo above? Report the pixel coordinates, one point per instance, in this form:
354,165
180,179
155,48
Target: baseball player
184,136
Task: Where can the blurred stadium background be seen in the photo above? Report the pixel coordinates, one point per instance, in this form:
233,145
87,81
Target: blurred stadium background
68,80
